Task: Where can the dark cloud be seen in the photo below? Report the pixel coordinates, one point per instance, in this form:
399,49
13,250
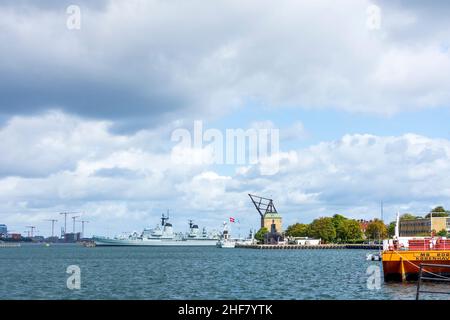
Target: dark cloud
54,5
86,72
438,7
430,19
88,97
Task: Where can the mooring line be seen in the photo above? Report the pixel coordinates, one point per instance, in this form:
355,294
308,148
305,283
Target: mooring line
423,269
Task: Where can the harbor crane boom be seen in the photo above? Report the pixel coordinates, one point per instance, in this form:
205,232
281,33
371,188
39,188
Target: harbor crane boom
263,205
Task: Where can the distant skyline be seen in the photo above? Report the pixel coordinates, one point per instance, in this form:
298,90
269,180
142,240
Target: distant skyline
362,105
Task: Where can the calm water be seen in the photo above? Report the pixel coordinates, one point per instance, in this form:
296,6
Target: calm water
38,272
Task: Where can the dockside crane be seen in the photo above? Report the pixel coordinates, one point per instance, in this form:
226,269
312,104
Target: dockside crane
74,220
82,227
65,220
53,225
263,206
32,230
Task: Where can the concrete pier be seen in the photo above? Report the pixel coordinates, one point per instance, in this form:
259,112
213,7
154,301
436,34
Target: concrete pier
317,247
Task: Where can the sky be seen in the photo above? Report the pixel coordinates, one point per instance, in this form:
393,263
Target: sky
358,91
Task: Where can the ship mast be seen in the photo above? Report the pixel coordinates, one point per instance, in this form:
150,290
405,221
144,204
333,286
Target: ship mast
164,218
397,225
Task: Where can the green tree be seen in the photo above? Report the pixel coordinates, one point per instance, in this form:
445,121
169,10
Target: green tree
391,228
408,216
376,229
261,233
338,219
442,233
349,230
438,212
297,230
439,209
323,228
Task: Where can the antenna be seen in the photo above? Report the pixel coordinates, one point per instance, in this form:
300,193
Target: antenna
53,225
397,225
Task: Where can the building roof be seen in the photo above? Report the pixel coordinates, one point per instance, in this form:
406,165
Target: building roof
422,219
272,215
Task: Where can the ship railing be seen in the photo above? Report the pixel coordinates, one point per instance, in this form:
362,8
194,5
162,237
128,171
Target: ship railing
437,278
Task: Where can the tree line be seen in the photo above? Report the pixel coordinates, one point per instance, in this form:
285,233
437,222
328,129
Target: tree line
333,229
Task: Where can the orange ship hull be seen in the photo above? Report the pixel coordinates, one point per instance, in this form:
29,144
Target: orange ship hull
405,265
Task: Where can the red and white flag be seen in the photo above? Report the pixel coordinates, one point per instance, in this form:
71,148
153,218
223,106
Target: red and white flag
231,219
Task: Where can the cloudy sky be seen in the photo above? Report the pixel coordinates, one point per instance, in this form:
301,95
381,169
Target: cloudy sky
87,115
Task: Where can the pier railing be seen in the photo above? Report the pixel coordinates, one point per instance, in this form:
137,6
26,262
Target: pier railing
436,277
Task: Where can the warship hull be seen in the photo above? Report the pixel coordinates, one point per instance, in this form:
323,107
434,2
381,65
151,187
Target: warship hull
155,242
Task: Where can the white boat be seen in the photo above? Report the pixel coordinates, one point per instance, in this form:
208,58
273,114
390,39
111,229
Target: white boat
225,240
162,235
250,240
373,257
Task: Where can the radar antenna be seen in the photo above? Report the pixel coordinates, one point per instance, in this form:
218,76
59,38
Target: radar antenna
164,218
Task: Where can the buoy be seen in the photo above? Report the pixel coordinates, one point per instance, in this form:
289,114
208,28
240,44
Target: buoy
373,257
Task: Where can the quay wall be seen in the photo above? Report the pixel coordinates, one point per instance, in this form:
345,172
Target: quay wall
317,247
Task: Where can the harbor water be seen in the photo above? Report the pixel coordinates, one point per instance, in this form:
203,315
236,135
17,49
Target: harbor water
39,272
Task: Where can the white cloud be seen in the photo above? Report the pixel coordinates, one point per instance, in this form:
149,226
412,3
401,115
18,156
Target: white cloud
356,172
38,146
123,182
181,59
206,190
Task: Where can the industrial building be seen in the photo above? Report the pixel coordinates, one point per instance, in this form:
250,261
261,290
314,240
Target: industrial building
72,237
3,230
